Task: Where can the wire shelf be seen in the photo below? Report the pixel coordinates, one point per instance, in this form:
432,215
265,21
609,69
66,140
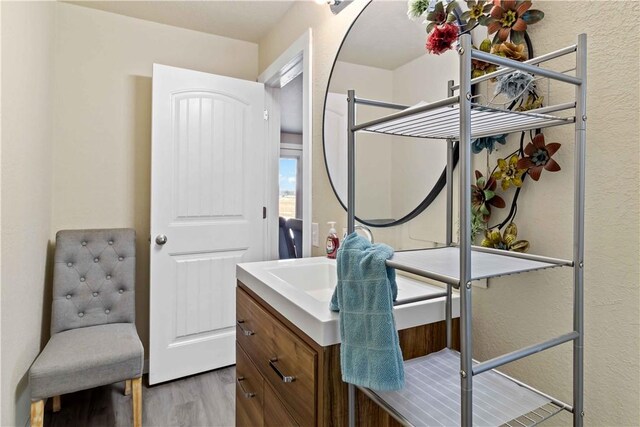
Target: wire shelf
443,122
431,396
442,389
443,264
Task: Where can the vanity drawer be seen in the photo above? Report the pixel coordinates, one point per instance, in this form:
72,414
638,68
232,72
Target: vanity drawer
249,325
249,392
275,414
285,361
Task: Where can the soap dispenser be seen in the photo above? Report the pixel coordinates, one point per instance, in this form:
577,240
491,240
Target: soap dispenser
332,241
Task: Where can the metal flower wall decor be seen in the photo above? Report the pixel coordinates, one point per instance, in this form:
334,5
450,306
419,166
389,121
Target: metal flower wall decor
507,22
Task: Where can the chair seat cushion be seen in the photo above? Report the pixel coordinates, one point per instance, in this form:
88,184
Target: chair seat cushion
84,358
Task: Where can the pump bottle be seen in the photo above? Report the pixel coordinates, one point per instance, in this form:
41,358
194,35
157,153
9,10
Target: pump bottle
332,241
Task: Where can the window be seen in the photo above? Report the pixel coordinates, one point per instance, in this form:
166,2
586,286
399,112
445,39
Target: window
289,198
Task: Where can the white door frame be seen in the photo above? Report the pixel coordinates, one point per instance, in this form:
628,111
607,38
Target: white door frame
295,60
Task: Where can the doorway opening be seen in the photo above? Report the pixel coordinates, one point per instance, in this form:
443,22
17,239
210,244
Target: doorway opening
291,150
288,111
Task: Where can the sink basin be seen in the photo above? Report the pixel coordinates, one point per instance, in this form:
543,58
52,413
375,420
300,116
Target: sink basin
317,280
300,290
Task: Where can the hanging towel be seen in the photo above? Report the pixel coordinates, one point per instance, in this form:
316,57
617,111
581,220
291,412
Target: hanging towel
370,353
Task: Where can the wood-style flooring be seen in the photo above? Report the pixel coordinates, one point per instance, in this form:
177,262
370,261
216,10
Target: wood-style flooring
206,399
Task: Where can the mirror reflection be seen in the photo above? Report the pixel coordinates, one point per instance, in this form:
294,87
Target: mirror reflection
383,58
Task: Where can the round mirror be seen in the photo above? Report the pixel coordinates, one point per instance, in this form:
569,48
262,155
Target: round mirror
383,58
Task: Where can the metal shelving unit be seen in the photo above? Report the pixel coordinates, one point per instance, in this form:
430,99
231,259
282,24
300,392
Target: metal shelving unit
448,387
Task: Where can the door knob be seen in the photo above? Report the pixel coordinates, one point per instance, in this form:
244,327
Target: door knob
161,239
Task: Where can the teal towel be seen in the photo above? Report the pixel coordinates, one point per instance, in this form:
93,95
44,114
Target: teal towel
370,353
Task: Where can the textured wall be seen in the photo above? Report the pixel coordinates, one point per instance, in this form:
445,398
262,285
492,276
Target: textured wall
102,154
27,59
537,306
520,310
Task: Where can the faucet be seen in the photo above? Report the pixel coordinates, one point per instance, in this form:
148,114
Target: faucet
366,230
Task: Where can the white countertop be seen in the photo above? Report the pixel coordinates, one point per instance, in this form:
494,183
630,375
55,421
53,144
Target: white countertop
300,290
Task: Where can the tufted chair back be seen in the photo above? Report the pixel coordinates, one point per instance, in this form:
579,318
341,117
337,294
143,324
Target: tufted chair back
93,278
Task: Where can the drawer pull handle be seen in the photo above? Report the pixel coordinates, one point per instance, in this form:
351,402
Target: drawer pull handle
247,332
246,393
284,378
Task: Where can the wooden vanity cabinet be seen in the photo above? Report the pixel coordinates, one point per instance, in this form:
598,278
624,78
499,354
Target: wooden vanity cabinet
275,414
285,378
249,391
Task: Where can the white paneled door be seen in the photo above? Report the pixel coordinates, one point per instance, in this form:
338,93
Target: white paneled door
207,197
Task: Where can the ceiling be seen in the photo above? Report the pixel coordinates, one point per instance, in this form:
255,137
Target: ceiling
291,106
384,37
242,20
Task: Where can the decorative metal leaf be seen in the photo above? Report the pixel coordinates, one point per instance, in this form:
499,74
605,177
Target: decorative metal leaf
517,37
532,16
511,229
430,27
451,6
498,202
520,246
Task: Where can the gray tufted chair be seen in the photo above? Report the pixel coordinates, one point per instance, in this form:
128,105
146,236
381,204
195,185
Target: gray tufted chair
93,336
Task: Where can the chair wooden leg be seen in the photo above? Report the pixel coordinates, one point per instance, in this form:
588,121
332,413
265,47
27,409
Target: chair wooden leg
137,401
37,413
56,404
127,387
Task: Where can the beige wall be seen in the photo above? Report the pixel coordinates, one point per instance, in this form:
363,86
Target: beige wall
101,172
76,150
538,306
520,310
27,99
373,168
418,161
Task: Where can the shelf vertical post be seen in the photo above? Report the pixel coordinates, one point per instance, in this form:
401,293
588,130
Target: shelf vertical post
351,161
578,230
449,222
464,147
449,239
351,213
449,175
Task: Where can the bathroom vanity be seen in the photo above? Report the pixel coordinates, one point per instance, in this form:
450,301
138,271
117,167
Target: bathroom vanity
288,344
